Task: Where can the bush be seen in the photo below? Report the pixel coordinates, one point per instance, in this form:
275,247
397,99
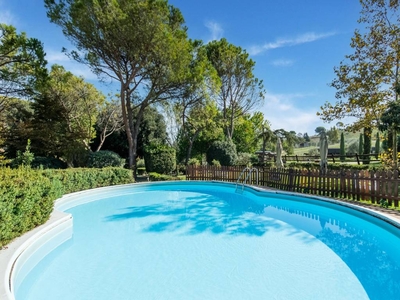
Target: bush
160,159
194,162
246,159
48,163
27,195
222,151
103,159
153,176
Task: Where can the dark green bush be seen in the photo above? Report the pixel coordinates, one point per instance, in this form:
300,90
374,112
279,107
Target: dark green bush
222,151
27,195
48,163
160,159
103,159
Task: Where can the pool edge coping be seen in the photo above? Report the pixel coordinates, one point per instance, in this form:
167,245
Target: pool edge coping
11,253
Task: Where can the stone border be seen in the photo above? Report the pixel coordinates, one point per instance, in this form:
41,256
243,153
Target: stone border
16,253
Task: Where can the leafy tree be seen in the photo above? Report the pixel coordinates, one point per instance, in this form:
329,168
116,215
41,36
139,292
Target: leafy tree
22,65
222,151
320,129
240,90
367,144
16,127
65,116
142,45
333,135
245,136
360,144
201,118
342,148
108,121
369,78
390,122
377,145
289,140
306,137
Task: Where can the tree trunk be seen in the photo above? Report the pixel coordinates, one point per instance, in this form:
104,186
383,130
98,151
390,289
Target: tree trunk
124,97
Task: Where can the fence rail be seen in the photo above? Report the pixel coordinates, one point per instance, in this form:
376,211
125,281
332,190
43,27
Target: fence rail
334,158
345,184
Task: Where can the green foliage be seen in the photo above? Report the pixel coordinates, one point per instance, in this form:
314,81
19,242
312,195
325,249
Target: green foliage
26,200
377,145
342,148
104,158
140,163
367,144
142,44
160,159
320,129
223,151
245,159
65,115
22,65
26,158
360,144
153,176
48,163
240,90
194,162
27,195
384,203
215,163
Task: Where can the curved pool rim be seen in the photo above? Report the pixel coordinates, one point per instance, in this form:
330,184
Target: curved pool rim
58,228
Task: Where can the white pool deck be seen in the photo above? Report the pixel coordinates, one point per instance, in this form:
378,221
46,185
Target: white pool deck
15,254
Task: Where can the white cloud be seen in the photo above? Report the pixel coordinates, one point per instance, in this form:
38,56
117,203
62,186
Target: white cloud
215,29
282,62
6,16
285,111
287,42
55,57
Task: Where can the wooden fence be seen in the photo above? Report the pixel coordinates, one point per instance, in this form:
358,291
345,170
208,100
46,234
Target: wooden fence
334,158
345,184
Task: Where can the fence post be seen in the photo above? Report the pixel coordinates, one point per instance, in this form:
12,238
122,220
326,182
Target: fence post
358,160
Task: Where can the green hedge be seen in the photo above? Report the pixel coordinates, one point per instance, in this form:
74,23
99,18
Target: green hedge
27,195
160,159
153,176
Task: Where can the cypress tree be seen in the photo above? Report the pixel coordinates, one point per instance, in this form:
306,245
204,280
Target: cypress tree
360,145
377,145
342,150
367,145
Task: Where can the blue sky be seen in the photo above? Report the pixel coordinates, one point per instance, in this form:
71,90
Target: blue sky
295,45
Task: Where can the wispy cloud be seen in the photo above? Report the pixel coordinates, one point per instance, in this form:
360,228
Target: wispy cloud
215,29
6,15
286,111
282,62
288,42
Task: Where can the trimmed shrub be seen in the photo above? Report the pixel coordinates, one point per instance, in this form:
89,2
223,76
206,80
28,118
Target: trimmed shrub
223,151
160,159
104,158
153,176
26,201
27,195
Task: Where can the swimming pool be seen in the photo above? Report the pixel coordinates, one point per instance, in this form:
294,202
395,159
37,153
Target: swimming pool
203,240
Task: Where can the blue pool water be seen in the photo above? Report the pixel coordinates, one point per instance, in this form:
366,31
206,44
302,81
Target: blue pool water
204,241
